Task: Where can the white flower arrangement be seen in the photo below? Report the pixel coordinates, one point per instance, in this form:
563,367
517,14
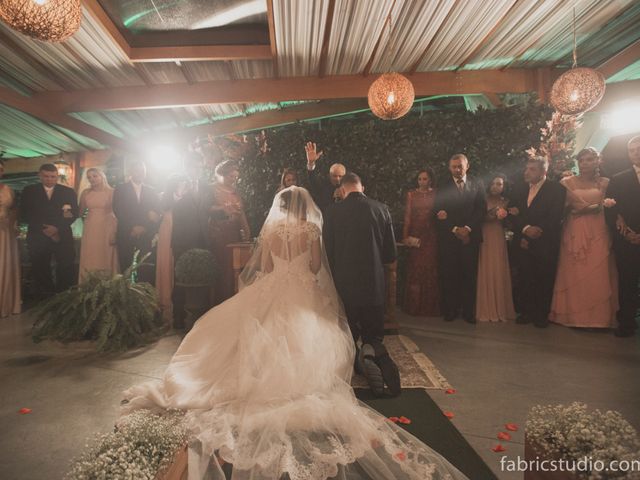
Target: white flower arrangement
572,433
142,444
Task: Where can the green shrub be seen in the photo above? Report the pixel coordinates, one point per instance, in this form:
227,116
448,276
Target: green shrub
196,268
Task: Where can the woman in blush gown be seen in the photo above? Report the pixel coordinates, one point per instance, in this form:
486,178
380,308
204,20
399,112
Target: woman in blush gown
265,376
98,249
586,289
10,296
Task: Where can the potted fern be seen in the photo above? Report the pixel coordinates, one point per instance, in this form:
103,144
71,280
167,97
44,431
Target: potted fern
196,271
112,310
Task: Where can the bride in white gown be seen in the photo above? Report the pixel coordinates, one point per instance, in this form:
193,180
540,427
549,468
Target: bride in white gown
265,376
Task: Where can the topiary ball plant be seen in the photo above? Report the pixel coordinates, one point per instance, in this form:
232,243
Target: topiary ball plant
196,268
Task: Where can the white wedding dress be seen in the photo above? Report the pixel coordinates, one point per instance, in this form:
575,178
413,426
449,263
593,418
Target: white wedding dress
265,376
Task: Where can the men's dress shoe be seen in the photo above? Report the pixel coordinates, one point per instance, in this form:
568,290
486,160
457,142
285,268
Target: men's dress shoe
523,319
623,332
541,323
390,373
371,370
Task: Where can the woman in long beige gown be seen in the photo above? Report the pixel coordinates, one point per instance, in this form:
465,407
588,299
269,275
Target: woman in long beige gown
98,249
10,299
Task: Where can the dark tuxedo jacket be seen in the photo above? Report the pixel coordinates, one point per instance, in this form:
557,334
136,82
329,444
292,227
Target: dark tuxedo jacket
463,209
359,240
130,212
546,211
321,189
624,188
37,210
191,222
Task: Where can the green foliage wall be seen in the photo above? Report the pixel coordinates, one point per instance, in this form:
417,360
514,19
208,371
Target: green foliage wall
387,155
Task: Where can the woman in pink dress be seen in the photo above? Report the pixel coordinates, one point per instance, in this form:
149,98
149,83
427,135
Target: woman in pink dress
10,299
228,224
494,297
176,188
422,295
586,291
98,249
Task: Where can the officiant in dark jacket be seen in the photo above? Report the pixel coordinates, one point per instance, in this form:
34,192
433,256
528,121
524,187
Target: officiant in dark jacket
137,208
49,209
460,207
624,220
537,231
325,192
359,241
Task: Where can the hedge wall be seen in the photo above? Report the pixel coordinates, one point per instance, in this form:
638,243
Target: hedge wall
387,155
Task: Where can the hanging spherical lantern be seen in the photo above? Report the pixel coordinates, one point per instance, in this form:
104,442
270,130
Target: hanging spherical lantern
391,96
48,20
577,91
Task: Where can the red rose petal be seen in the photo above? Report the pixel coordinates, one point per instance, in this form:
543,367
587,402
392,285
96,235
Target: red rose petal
449,414
504,436
450,391
401,456
24,411
394,419
404,420
512,427
499,448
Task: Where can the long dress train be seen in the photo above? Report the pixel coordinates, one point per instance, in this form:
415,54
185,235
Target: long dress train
265,380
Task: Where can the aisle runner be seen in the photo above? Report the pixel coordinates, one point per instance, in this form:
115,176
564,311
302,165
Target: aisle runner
416,370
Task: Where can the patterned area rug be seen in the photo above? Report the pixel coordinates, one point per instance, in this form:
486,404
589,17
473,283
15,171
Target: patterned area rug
416,370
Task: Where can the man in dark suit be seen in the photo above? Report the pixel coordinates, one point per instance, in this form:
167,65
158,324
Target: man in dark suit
539,205
460,208
624,220
359,240
136,206
324,192
49,209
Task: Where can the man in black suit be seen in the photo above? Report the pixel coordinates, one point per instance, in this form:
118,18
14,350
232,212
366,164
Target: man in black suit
136,206
49,209
624,220
359,240
539,205
460,207
324,192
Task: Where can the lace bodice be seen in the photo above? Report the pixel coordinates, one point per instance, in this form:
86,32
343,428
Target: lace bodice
290,246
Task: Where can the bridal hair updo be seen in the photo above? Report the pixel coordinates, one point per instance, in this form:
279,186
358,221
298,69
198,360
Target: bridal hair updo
293,203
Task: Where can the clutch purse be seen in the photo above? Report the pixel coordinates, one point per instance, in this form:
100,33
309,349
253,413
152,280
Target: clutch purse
412,242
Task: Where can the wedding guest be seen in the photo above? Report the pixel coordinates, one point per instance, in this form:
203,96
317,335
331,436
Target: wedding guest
10,296
98,247
460,206
537,227
419,236
324,192
585,292
494,300
136,208
624,221
289,178
175,190
228,224
49,209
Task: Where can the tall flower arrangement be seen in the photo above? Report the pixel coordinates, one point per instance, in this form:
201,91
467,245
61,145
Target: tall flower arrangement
557,143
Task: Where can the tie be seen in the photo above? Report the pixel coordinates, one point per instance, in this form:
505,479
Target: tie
49,192
460,185
532,194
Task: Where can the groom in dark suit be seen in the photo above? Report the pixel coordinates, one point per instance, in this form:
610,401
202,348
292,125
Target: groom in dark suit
537,229
49,209
624,220
359,240
136,206
460,208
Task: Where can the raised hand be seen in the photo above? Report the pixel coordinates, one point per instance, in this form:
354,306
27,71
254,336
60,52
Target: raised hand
312,154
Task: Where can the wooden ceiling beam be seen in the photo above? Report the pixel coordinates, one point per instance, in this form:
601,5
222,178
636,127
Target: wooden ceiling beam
322,64
277,90
621,60
186,53
98,13
42,112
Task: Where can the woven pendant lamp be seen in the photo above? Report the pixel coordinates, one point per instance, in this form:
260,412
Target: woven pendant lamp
47,20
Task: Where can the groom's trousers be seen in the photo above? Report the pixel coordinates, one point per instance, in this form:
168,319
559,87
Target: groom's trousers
367,323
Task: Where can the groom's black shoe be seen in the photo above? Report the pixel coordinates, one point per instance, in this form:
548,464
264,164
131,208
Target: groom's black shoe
371,370
390,374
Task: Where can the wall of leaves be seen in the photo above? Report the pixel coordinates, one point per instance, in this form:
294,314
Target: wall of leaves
387,155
